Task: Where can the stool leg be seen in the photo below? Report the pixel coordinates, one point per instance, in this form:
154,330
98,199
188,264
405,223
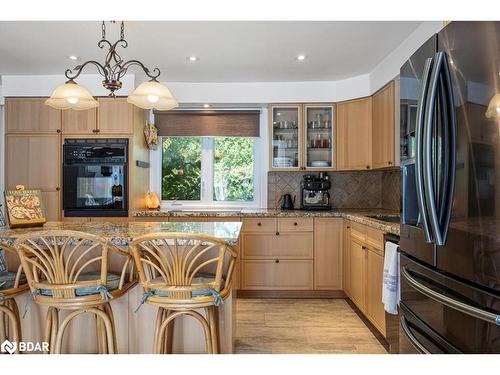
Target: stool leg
101,314
212,315
159,320
54,314
101,338
12,317
4,325
169,335
109,312
13,306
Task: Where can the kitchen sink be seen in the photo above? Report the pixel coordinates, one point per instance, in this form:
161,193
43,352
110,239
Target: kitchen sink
387,218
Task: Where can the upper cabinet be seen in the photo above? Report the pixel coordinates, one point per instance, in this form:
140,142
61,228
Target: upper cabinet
31,115
320,136
286,137
79,122
354,133
302,137
115,116
383,138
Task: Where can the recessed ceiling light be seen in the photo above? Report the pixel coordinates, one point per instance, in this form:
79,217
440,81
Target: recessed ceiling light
206,105
301,57
73,57
192,58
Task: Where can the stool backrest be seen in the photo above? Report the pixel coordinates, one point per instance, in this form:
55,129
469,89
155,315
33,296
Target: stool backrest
172,261
54,261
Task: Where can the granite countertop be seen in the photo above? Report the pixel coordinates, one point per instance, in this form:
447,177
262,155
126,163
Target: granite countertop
121,234
357,215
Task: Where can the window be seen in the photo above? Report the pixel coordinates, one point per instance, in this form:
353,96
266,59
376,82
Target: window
208,170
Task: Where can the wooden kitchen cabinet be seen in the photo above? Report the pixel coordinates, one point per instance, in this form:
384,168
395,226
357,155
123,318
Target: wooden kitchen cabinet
354,134
346,262
328,233
365,268
52,204
115,116
288,274
31,115
374,306
383,129
79,122
32,161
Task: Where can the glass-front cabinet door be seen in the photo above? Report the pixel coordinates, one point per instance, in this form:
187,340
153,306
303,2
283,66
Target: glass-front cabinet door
319,122
286,135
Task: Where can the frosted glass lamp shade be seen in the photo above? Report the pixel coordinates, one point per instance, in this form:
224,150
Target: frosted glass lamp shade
71,96
494,107
152,95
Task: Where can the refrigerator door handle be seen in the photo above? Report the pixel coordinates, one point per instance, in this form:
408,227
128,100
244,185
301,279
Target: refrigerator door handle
430,196
451,149
455,304
419,133
411,337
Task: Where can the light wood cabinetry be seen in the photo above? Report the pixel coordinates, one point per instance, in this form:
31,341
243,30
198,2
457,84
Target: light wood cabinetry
302,137
383,137
115,116
328,253
346,261
277,274
31,115
79,122
32,161
365,272
354,132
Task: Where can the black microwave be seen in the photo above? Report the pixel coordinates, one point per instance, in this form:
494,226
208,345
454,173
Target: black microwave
95,177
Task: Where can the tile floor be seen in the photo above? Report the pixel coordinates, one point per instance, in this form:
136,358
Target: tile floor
295,326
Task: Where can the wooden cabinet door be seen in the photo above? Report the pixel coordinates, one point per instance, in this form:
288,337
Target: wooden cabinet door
354,134
357,272
52,204
346,260
79,122
277,274
115,116
328,253
33,161
374,305
31,115
383,127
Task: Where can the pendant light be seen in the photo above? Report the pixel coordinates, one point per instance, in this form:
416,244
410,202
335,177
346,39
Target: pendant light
494,107
148,95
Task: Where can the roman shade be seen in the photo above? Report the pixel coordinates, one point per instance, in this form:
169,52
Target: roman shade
186,123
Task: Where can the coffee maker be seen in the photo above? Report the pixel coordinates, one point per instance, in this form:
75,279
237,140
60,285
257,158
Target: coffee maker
314,192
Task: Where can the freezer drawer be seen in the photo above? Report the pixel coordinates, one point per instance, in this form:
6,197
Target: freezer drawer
464,317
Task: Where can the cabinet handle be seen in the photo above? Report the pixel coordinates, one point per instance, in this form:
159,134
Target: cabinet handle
367,167
277,233
277,261
363,247
389,162
348,227
97,130
295,224
58,188
58,130
94,131
259,224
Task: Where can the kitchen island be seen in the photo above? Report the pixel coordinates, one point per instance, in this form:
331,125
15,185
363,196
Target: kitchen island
134,330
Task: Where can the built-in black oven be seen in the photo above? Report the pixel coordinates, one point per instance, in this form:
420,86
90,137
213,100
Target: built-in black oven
95,181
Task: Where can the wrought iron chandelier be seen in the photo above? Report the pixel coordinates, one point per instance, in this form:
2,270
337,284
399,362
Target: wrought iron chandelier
148,95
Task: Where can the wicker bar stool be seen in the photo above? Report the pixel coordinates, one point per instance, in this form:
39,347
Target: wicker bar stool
12,284
181,273
68,270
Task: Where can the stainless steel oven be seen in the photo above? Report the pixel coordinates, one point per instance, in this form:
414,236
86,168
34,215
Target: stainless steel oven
95,180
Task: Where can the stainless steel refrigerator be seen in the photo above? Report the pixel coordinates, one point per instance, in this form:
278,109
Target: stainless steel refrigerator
450,170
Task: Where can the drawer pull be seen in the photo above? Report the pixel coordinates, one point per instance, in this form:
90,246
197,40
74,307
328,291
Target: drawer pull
277,233
259,224
363,247
277,261
295,224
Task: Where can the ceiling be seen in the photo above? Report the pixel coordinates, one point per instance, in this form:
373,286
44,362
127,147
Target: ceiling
228,51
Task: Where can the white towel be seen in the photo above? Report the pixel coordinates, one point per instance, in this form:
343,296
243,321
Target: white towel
391,292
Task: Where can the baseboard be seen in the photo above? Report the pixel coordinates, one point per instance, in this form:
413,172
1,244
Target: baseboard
290,294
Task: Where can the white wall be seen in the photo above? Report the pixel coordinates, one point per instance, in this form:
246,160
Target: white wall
389,67
43,85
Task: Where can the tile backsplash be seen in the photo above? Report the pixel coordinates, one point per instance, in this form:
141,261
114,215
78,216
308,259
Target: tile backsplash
364,189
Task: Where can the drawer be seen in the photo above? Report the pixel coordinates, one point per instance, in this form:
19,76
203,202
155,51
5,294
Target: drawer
277,274
259,224
288,246
375,238
298,224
